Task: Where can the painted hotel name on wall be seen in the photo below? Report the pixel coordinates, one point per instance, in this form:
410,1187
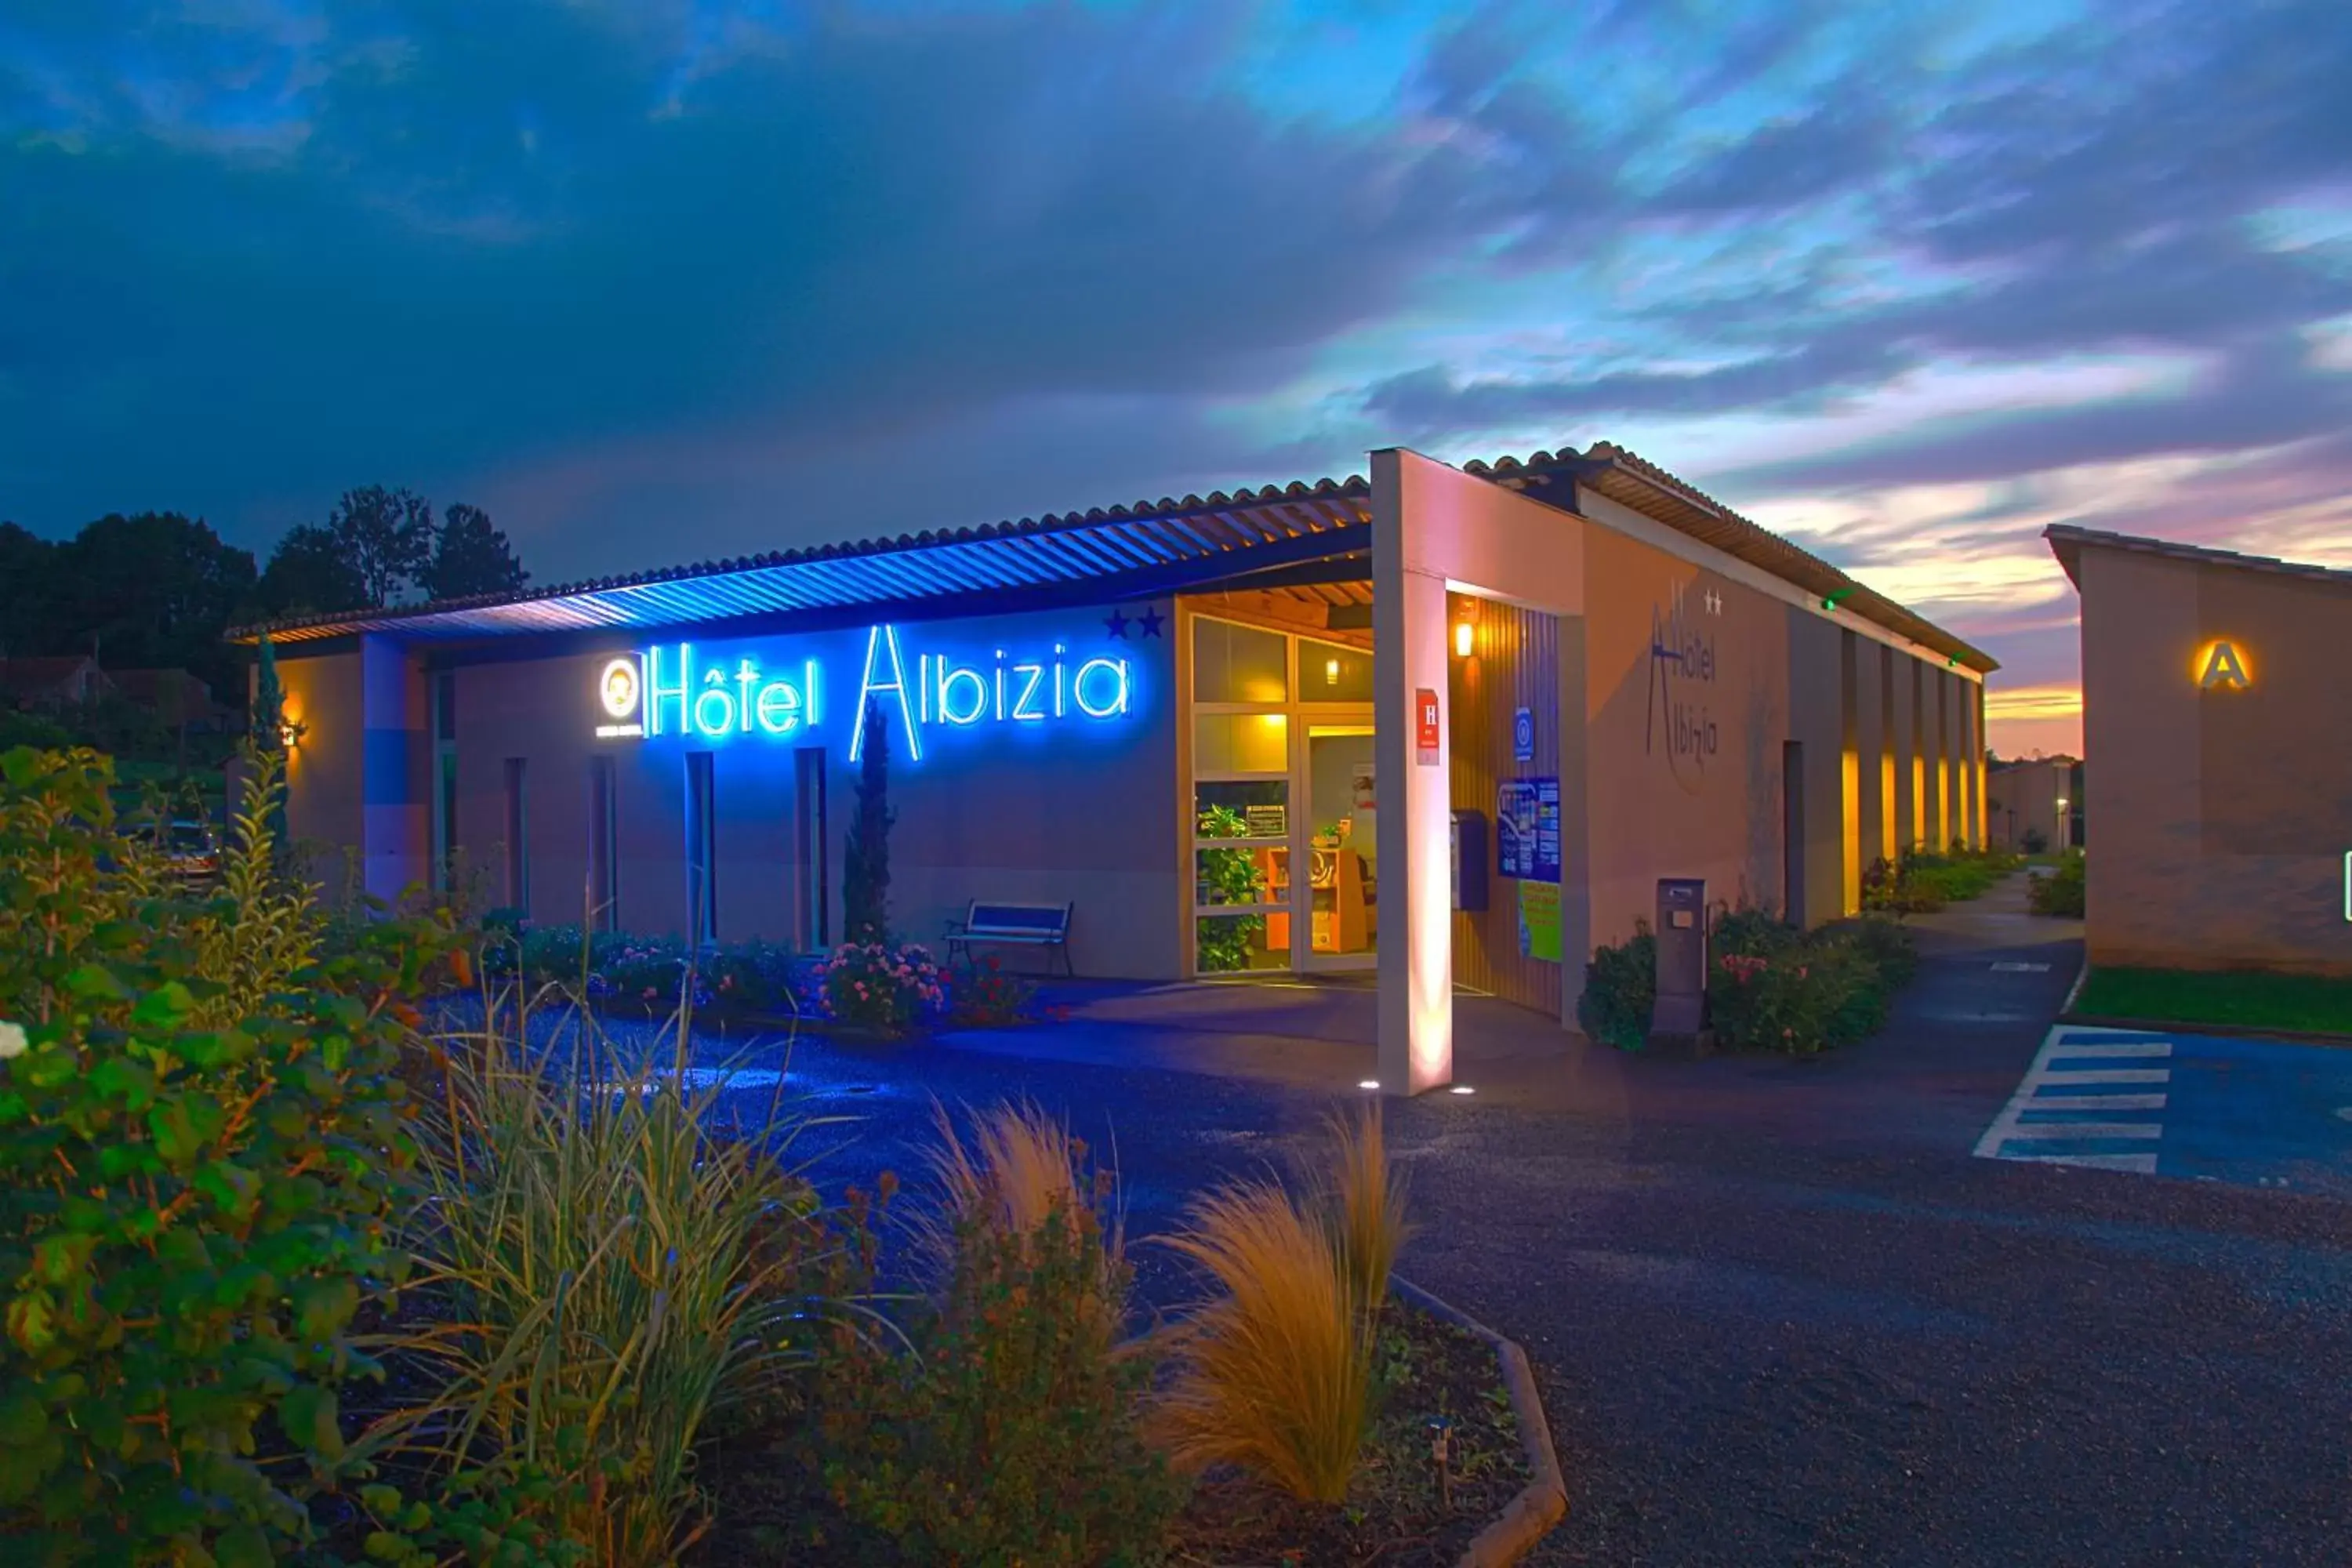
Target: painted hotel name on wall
1681,671
664,691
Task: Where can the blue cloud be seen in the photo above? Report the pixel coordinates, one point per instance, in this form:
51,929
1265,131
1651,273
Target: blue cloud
772,272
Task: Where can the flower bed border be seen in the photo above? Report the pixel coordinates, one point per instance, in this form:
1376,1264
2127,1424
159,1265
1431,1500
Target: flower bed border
1542,1503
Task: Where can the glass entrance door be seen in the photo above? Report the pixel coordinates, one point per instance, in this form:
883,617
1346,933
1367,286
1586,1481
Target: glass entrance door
1339,900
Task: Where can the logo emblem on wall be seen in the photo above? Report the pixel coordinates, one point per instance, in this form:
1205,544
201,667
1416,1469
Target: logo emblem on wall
1682,676
665,691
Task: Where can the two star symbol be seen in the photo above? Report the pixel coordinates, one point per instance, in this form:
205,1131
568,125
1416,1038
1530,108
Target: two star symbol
1150,621
1714,602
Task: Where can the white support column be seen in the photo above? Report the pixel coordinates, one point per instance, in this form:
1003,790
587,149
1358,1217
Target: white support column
1415,828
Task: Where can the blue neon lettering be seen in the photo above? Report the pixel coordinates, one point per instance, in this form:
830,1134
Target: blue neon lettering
745,674
675,695
1036,672
867,687
950,674
725,708
1117,704
780,707
657,693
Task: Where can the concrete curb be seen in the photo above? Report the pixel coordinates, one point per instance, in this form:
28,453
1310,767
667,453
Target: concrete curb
1543,1501
2222,1031
2066,1008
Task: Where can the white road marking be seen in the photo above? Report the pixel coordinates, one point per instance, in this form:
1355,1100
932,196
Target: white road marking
2103,1051
2045,1111
2007,968
2143,1163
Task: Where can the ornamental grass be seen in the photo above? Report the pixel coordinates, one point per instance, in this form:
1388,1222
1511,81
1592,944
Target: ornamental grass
1274,1374
610,1269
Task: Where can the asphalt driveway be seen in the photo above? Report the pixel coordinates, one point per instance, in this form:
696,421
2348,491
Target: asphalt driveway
1782,1314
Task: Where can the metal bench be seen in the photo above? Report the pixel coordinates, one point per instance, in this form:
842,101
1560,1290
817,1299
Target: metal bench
994,924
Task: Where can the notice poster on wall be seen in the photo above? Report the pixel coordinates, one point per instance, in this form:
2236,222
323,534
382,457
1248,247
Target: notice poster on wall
1527,829
1360,786
1540,921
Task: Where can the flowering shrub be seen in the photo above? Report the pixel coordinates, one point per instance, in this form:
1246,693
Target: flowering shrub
985,996
1811,993
877,986
644,971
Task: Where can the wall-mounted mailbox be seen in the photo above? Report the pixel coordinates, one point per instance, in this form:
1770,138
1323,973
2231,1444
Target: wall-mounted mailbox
1678,1018
1470,861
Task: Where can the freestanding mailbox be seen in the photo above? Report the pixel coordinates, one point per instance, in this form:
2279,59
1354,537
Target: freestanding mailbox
1679,1016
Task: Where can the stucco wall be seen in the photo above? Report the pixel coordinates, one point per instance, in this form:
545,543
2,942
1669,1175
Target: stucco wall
325,773
1685,760
2221,814
1072,809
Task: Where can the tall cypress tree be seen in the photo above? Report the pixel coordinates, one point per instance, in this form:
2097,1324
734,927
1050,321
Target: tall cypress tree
268,726
865,871
266,732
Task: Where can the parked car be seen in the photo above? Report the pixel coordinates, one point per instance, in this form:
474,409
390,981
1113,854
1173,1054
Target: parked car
192,847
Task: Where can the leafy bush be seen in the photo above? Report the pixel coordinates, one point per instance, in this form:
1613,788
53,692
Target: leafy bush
611,1268
875,986
2062,892
1750,928
2033,841
199,1151
1620,991
1780,988
1788,1001
1011,1435
1888,944
1274,1374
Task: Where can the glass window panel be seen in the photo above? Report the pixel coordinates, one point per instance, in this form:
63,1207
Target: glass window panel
1240,874
1232,944
1328,672
1239,664
1256,808
1241,743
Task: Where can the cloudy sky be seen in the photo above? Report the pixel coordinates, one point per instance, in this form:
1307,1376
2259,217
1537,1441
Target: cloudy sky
663,279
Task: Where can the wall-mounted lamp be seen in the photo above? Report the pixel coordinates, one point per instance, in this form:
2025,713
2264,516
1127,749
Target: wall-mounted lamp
1464,636
1331,672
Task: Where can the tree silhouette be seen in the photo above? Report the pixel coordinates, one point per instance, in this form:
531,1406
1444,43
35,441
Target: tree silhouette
470,557
310,575
387,537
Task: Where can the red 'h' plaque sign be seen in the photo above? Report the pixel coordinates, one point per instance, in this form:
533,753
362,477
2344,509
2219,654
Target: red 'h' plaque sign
1424,726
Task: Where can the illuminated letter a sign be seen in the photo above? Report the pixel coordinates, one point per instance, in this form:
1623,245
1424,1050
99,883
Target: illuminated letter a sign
2224,670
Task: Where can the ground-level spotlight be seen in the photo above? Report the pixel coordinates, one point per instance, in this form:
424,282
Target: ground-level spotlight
1370,1083
1462,1088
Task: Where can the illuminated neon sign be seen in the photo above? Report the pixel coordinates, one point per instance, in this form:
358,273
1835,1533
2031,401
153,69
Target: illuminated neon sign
2220,667
664,691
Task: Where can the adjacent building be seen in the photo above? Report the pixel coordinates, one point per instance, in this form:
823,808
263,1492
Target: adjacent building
2214,687
1451,725
2035,804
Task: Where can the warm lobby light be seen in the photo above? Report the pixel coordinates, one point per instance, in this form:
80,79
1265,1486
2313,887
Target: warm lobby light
1463,633
1331,672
